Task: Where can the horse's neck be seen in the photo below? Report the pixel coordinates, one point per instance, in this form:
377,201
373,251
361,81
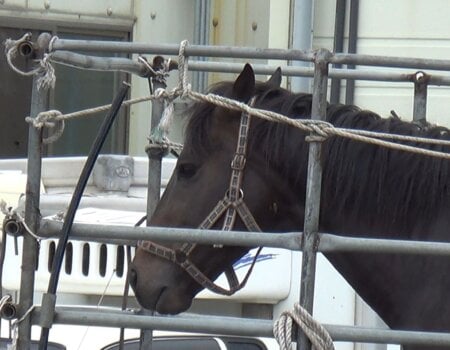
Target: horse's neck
432,228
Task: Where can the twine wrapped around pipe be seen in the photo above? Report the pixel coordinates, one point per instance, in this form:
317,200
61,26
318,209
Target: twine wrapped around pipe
316,333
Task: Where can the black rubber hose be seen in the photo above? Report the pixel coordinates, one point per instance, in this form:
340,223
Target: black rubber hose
76,197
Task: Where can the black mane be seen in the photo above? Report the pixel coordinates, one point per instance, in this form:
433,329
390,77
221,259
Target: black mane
358,177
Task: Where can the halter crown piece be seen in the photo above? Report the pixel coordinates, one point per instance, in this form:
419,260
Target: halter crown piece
231,205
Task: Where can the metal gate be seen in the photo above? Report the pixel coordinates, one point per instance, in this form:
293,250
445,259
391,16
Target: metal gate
58,50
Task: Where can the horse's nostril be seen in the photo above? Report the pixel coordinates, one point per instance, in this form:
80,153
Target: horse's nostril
132,277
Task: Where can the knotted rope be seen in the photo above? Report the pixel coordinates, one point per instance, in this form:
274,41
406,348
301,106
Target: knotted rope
44,71
323,129
319,130
49,119
159,137
316,333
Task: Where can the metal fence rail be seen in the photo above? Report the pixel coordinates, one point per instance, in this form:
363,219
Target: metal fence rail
134,67
293,241
248,52
232,326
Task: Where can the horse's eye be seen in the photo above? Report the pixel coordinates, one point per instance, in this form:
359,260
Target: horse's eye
186,170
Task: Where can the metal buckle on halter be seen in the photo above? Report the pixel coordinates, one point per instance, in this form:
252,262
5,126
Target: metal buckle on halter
238,162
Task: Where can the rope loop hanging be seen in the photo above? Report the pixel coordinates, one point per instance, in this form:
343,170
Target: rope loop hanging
44,71
319,130
316,333
49,119
183,86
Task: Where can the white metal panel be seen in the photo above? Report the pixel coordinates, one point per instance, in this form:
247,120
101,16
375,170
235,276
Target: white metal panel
279,24
14,3
406,28
405,19
107,8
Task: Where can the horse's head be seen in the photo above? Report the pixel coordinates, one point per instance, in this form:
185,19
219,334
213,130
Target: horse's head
200,181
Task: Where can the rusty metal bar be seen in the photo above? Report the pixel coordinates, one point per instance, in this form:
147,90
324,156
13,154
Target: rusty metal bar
313,190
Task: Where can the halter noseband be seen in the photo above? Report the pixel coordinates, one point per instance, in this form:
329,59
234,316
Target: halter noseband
231,205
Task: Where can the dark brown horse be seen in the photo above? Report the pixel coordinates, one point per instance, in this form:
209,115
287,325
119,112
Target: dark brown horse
367,191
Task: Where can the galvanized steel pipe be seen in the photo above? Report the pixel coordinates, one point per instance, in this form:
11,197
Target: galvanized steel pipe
233,326
248,52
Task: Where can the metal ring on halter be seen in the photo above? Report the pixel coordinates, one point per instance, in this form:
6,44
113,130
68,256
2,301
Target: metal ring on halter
241,194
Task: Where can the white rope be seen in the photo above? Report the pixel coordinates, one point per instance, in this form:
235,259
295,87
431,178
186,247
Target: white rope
11,50
4,207
398,137
4,300
44,71
15,326
183,84
51,43
159,137
320,128
160,134
316,333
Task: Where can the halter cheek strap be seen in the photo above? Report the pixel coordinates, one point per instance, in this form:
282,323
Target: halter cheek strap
231,205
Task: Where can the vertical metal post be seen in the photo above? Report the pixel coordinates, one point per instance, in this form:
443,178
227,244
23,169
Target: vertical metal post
32,214
30,245
302,15
352,43
313,190
154,185
201,37
154,155
338,46
420,97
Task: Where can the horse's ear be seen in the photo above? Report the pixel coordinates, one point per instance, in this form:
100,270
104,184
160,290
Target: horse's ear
275,80
244,86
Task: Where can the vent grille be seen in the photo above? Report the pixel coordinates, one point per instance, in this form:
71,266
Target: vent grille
86,263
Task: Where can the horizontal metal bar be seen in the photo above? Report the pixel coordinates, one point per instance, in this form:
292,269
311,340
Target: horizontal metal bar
131,66
291,240
50,228
231,326
173,49
387,336
248,52
334,243
390,61
340,73
99,63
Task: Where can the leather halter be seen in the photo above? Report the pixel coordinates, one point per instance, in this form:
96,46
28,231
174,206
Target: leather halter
231,205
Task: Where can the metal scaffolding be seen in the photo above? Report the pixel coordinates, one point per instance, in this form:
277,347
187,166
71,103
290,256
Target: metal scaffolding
313,241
